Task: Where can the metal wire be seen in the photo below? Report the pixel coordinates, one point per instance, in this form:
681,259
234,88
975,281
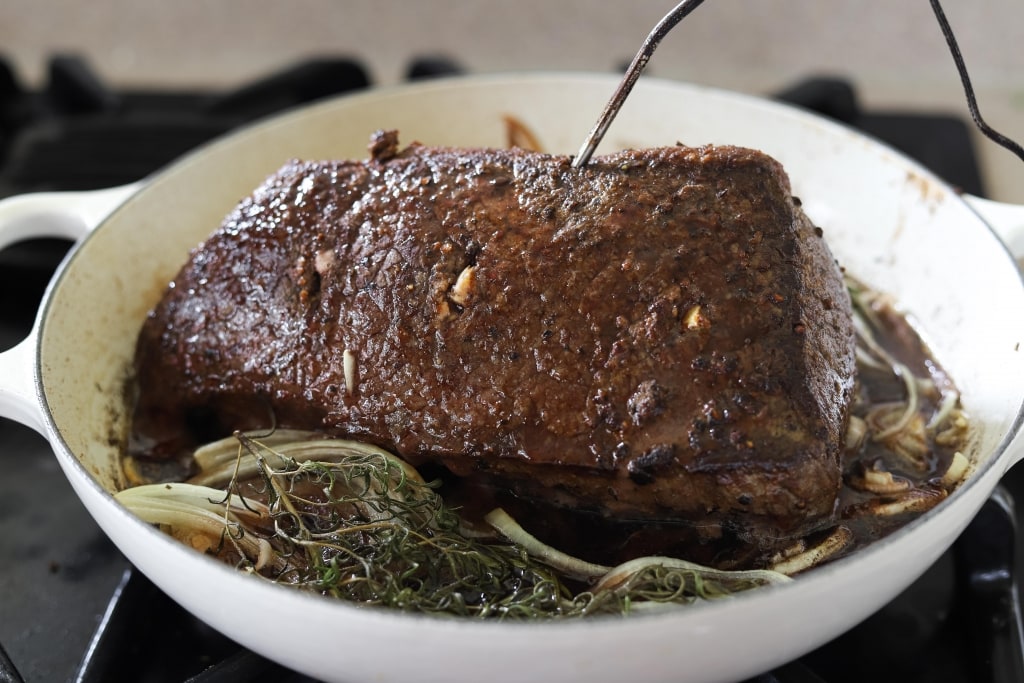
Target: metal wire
684,8
636,67
972,100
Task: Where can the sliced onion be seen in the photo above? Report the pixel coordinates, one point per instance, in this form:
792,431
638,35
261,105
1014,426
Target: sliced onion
832,544
556,559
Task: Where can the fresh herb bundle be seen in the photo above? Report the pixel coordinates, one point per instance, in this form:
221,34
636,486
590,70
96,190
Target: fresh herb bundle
353,521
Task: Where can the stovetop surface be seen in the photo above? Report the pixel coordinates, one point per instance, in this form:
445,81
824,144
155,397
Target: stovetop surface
72,608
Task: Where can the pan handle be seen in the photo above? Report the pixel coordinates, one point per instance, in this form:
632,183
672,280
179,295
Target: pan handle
19,400
1007,220
70,215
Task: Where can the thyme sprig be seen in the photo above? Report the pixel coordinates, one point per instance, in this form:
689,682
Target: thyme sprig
353,521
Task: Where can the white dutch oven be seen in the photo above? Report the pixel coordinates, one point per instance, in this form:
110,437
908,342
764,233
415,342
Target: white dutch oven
887,220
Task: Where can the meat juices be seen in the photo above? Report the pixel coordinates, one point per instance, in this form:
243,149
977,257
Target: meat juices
660,335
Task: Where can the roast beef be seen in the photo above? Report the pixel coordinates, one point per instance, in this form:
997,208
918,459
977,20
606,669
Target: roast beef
662,334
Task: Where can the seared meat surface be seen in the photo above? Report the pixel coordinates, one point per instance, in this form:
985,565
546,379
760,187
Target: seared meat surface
662,334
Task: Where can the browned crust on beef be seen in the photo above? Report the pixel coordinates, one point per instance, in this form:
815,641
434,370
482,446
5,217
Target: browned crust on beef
662,334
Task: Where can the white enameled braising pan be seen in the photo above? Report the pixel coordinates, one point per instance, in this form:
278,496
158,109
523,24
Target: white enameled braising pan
888,221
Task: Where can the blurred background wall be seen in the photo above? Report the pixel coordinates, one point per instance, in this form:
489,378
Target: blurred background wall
892,50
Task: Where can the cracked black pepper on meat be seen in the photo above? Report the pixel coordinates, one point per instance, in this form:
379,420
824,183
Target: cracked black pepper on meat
661,335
